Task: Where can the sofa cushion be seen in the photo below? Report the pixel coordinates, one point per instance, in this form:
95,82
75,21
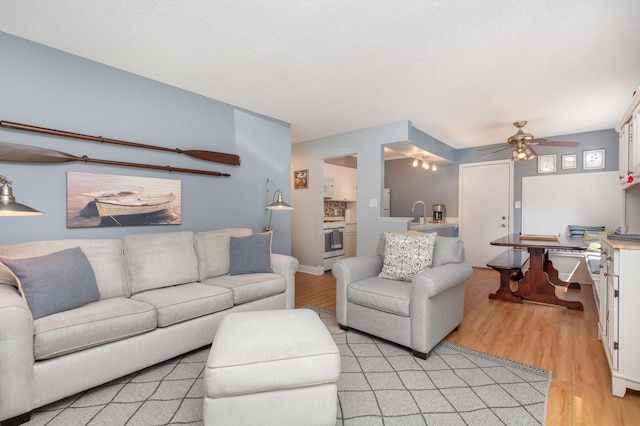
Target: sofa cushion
447,250
248,255
212,248
250,287
381,294
105,257
405,255
592,239
186,301
91,325
160,260
579,230
55,282
270,351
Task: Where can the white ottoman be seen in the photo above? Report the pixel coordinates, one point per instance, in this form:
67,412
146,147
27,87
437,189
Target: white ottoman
272,368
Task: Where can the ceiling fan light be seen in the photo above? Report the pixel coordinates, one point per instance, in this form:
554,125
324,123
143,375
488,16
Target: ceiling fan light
415,162
530,153
434,167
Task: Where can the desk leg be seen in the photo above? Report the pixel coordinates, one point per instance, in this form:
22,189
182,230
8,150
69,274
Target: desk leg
536,287
504,292
553,275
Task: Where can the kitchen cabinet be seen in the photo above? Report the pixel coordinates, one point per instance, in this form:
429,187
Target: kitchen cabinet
350,239
618,313
629,137
344,181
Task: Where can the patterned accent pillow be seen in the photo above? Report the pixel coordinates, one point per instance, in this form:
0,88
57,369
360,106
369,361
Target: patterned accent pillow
405,255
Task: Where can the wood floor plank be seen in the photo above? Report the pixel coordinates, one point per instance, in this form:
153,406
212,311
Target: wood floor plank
557,339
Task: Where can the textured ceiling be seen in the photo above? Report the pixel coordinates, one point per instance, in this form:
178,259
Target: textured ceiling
461,71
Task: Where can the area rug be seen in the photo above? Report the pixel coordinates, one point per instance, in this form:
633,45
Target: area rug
380,384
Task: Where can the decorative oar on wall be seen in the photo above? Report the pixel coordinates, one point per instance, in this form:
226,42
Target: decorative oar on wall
213,156
32,154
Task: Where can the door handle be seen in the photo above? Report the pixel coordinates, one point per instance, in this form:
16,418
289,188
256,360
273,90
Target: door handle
503,225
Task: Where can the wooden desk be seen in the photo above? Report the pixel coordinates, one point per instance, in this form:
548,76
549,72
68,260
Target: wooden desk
536,285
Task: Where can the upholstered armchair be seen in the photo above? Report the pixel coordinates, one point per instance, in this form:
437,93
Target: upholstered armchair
394,295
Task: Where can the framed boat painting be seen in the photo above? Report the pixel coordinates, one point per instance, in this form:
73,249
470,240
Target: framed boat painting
99,200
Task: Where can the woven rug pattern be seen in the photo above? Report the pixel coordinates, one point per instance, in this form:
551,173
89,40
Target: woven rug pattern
380,384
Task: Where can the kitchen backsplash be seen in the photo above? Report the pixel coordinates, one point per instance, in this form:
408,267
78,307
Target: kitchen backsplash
334,208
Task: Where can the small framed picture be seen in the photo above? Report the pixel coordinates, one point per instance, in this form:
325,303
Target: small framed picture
593,159
547,163
301,179
569,161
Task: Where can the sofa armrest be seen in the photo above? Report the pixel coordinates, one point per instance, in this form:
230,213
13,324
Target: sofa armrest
286,266
16,354
433,281
348,271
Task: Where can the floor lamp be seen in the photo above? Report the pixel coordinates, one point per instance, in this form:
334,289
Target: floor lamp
277,203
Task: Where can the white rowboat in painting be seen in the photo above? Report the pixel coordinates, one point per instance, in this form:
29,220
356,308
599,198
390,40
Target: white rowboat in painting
113,194
133,205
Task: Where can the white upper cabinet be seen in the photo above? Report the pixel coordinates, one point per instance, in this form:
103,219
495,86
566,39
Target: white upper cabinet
344,181
629,154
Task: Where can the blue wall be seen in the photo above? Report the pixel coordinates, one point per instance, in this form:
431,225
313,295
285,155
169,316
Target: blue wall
408,184
49,88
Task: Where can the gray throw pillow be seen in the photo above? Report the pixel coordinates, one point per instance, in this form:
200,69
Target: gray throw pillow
447,250
55,282
252,254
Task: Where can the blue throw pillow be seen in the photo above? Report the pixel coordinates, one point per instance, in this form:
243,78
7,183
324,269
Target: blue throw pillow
250,254
55,282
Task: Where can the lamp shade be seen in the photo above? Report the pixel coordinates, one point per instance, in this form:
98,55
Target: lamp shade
8,205
279,203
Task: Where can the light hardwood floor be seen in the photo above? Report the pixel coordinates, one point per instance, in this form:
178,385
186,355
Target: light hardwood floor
563,341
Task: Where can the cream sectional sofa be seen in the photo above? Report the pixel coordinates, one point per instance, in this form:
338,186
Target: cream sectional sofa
160,295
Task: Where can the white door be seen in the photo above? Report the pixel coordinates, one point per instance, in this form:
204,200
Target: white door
485,208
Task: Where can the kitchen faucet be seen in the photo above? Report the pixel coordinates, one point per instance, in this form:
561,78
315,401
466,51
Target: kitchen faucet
424,208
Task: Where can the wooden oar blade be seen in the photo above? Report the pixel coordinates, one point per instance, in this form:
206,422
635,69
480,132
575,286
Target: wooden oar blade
215,157
212,156
32,154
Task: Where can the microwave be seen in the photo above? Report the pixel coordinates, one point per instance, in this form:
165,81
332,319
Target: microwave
327,188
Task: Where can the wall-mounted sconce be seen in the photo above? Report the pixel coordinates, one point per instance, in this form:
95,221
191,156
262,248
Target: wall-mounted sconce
277,203
8,205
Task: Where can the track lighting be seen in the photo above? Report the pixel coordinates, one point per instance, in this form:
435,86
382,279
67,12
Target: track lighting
424,163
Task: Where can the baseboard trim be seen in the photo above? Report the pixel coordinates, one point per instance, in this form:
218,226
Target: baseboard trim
313,270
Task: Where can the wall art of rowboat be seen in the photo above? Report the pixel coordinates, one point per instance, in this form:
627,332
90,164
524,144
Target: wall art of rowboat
108,207
123,200
113,194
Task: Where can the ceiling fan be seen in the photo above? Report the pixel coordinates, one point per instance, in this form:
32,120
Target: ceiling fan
522,143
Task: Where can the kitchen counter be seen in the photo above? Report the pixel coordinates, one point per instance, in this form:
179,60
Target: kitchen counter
448,228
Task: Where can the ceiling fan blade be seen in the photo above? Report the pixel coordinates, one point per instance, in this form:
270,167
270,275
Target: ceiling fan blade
487,148
494,152
547,142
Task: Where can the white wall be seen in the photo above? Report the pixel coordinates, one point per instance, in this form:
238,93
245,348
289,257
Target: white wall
551,203
307,218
